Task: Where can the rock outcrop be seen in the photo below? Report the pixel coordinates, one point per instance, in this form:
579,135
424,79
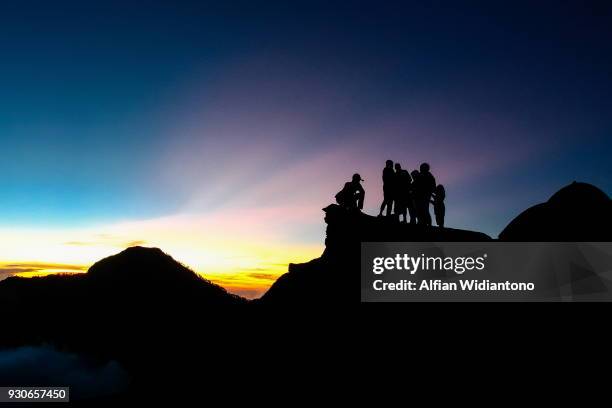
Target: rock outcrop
578,212
334,277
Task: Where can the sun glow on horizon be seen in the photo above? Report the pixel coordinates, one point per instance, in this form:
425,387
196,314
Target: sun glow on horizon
244,257
250,283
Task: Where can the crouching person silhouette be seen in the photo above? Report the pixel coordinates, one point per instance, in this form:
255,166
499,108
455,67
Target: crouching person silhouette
352,195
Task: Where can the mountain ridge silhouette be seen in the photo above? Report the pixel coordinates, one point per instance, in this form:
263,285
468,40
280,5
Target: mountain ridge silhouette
136,271
149,270
578,211
324,278
161,321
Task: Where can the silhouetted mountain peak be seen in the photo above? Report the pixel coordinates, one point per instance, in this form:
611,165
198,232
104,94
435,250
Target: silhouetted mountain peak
577,212
137,280
137,249
579,194
141,272
141,263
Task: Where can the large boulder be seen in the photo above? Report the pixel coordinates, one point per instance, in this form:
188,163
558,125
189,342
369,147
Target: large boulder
578,212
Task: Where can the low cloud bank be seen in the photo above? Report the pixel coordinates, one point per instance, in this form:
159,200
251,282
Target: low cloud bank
46,366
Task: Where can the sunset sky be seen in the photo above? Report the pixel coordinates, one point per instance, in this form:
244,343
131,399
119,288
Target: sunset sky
218,131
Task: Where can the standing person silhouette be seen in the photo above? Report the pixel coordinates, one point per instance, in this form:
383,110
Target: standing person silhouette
412,204
425,186
402,193
388,178
438,203
352,194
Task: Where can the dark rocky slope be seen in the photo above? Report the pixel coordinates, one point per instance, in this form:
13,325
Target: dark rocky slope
138,285
334,277
162,322
578,212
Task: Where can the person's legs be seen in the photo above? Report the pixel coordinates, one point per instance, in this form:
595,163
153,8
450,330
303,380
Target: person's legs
440,220
427,215
412,211
387,202
421,217
441,210
360,201
397,208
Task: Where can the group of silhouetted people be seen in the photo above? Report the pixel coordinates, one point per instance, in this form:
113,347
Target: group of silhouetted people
404,194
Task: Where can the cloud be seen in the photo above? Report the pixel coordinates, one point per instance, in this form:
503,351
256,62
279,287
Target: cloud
6,272
29,268
107,240
45,366
263,276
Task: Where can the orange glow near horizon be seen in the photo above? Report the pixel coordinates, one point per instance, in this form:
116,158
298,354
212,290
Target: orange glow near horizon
29,270
250,284
241,251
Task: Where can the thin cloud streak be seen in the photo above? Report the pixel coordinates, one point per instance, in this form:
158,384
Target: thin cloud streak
37,269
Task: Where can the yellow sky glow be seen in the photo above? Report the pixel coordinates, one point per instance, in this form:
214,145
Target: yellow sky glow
224,251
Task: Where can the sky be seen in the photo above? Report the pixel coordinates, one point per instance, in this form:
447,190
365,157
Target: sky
219,130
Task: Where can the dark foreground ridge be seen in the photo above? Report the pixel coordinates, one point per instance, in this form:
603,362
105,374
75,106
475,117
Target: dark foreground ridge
160,322
129,288
139,312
